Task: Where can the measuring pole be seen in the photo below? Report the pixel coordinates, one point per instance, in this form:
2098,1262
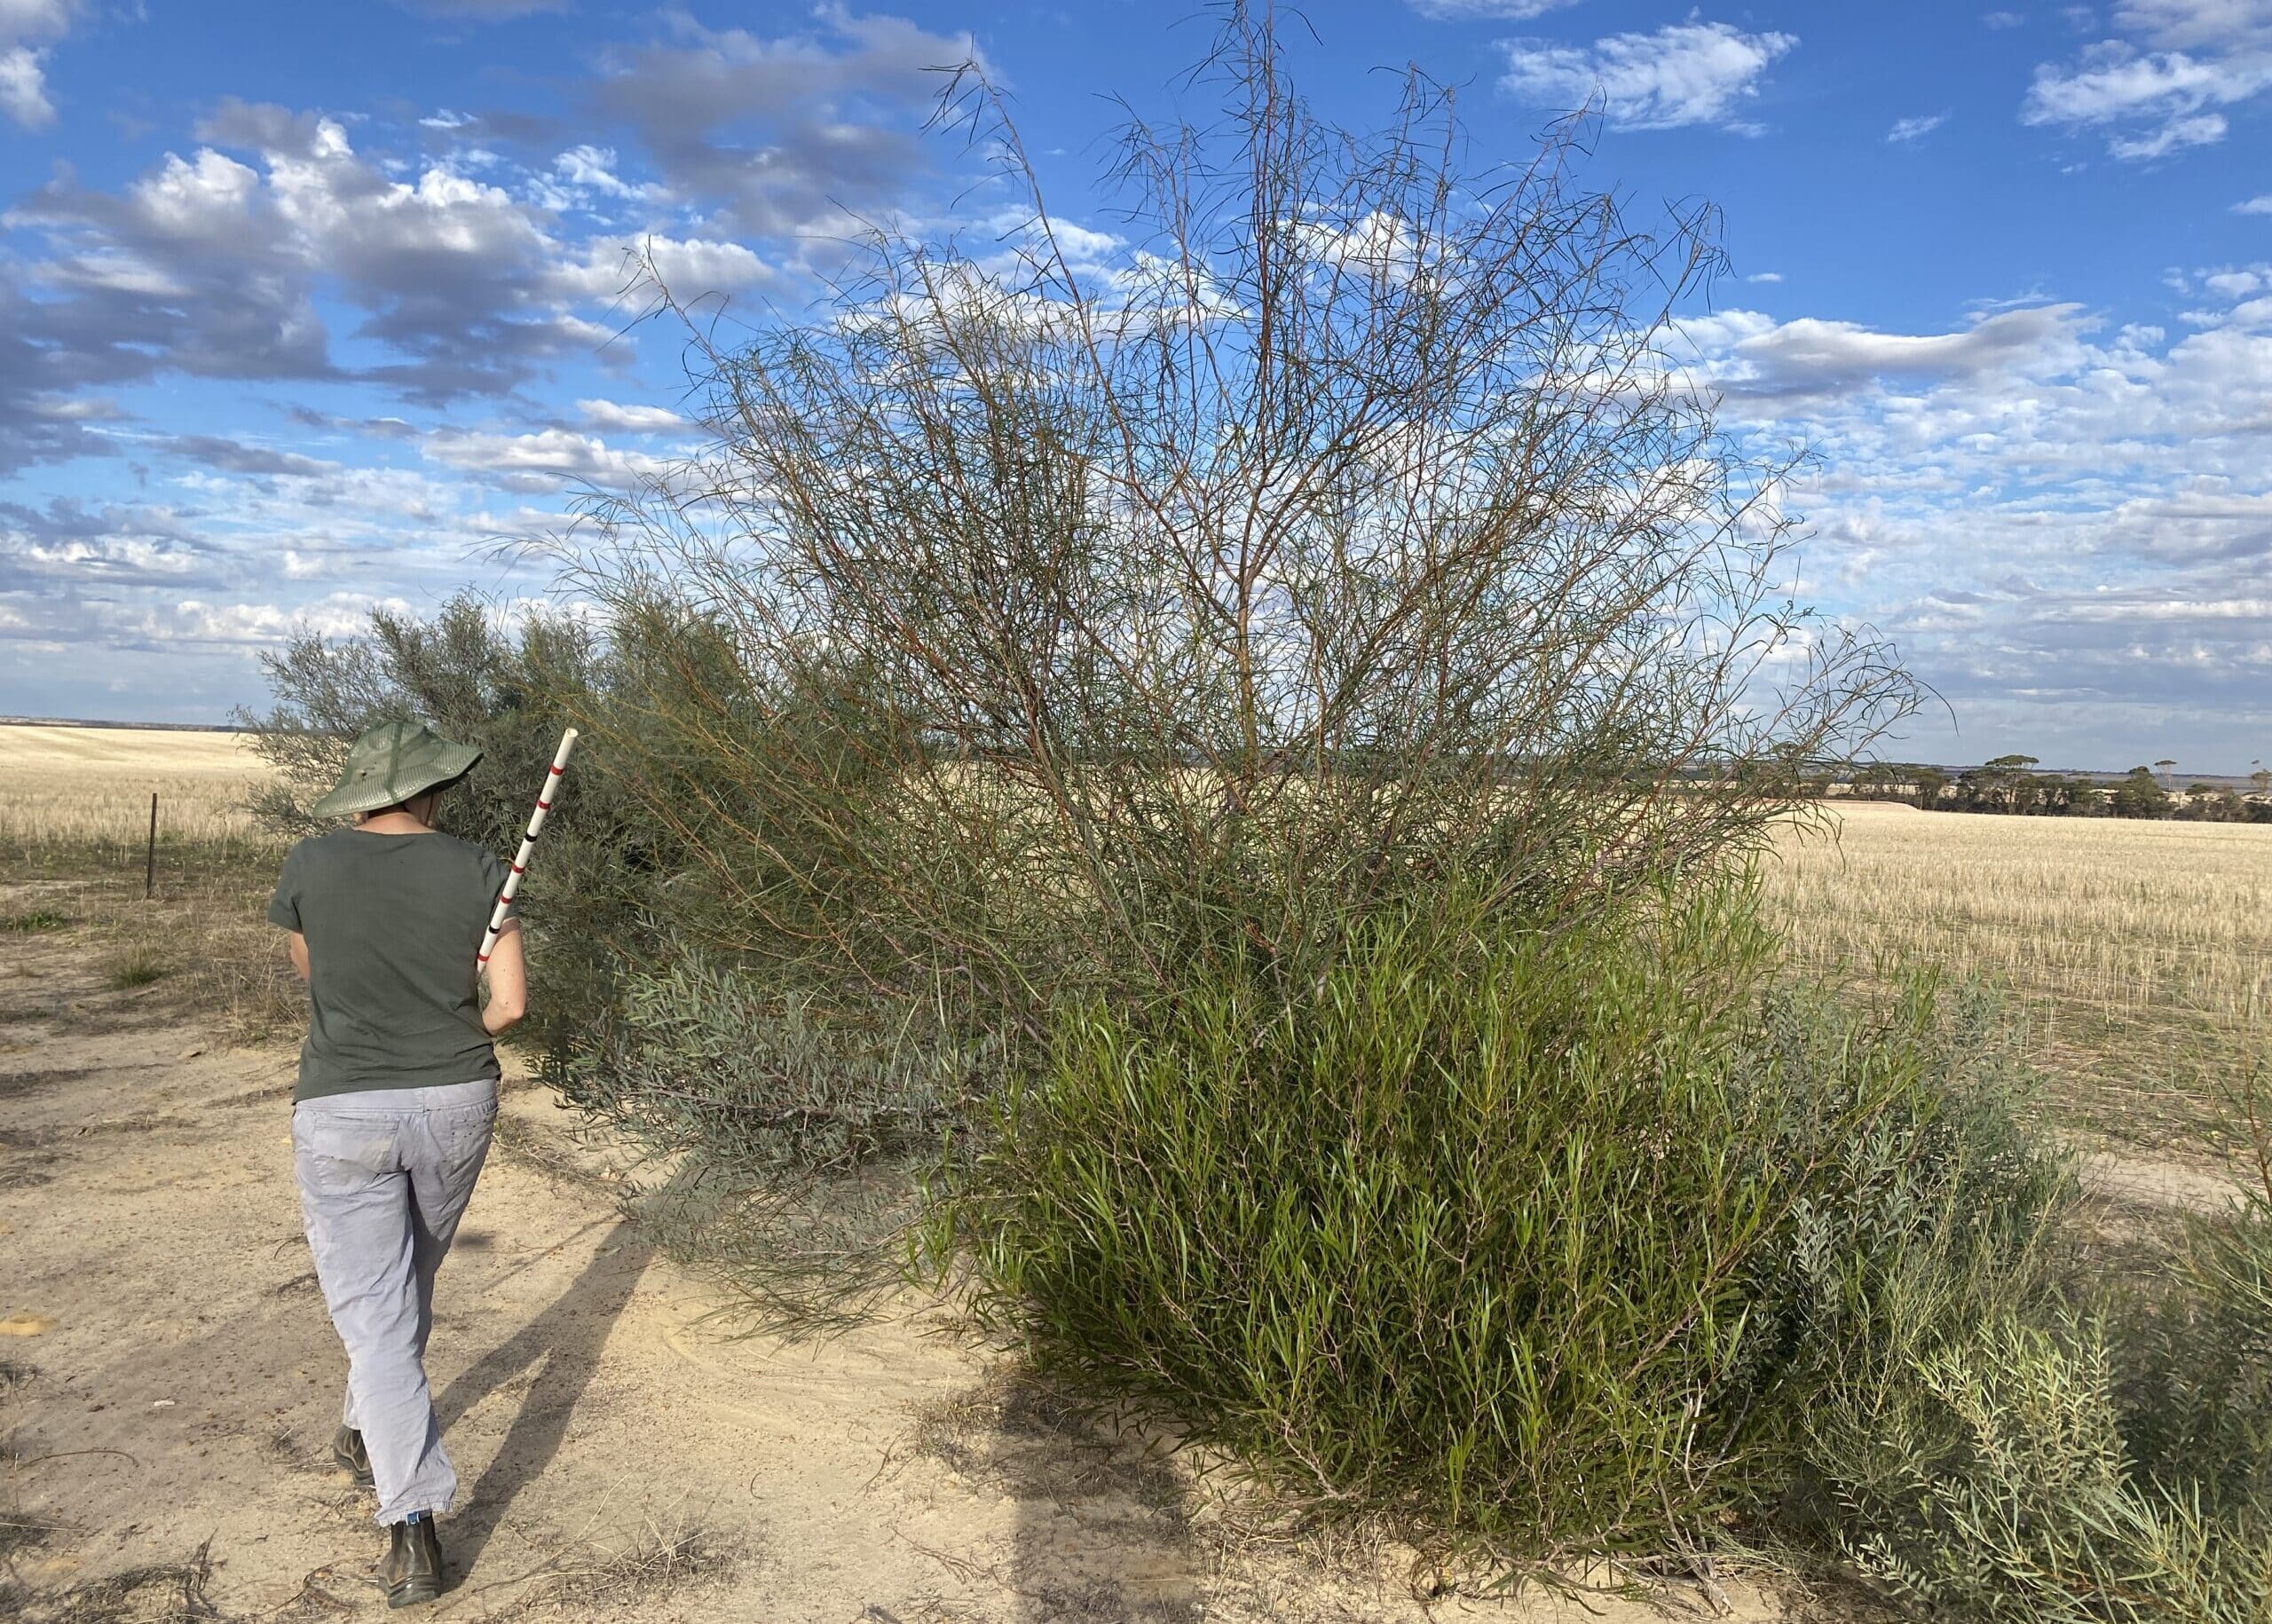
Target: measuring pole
150,858
528,842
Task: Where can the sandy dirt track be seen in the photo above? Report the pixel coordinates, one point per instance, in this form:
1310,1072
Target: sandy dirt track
621,1457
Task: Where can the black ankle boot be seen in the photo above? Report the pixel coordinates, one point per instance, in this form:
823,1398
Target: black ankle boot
411,1571
347,1449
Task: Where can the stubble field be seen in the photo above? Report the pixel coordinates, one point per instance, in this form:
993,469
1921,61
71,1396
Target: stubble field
75,827
87,787
2137,955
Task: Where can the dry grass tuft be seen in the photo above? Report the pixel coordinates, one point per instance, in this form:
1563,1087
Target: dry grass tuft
137,965
159,1593
602,1579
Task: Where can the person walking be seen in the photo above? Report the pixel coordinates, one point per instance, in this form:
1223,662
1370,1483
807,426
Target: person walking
396,1101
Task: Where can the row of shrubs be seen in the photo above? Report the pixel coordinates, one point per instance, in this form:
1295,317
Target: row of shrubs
2006,788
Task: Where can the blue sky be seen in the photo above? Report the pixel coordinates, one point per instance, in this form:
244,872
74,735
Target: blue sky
304,307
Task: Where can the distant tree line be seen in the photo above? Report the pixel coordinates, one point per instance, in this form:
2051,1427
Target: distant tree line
2008,784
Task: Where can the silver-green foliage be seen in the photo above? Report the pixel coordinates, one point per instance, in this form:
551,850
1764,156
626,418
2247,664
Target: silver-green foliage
1992,1476
2063,1445
703,1058
786,1150
508,685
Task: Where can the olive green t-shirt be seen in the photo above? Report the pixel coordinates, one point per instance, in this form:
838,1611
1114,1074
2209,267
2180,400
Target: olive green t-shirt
394,923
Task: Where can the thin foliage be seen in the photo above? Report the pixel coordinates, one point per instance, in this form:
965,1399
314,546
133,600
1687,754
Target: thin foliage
1350,531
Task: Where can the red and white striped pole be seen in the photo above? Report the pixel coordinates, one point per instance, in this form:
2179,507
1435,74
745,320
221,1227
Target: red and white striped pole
528,841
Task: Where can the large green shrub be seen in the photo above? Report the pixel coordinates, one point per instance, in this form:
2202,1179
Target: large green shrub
1353,535
1526,1235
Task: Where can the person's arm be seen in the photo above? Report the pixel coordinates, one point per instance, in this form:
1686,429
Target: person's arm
296,945
509,981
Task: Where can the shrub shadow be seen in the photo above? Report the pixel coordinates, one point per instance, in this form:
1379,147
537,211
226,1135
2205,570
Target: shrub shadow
1103,1534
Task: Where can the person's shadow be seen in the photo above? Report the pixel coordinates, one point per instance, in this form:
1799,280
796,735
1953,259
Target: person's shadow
566,1339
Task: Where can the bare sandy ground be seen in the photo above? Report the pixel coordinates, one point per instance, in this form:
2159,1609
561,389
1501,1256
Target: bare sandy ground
623,1455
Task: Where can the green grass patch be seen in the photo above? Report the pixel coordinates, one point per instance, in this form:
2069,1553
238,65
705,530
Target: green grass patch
36,919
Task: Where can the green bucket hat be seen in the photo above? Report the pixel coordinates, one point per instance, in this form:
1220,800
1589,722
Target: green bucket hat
390,763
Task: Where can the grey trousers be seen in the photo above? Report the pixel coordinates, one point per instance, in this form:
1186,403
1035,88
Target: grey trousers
384,1176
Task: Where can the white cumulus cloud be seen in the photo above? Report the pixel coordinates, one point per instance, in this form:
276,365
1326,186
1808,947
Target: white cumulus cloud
1490,10
23,87
2163,87
585,170
26,27
540,462
605,268
614,415
1685,74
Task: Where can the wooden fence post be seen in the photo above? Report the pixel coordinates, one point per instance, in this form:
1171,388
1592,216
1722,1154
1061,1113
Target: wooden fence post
150,860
